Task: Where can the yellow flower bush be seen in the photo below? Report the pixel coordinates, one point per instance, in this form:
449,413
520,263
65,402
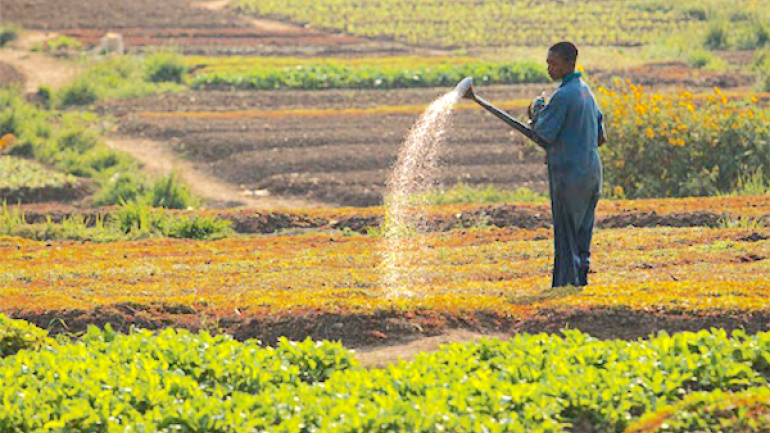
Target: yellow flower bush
681,144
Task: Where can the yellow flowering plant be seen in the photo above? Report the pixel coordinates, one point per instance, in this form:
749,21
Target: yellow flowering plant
681,144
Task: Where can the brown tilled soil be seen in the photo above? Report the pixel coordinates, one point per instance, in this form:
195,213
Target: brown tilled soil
157,159
249,221
66,193
387,337
340,159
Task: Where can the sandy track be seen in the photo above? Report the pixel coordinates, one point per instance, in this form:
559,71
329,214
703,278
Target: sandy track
38,68
158,159
380,357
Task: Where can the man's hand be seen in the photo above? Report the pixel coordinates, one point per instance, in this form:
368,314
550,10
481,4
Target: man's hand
535,107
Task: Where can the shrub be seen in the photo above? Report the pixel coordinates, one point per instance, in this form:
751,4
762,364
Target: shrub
165,66
81,92
198,227
62,45
716,37
661,146
8,34
121,187
45,96
168,192
136,217
16,335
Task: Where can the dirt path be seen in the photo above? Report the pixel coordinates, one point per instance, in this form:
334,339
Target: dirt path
259,23
382,356
38,68
158,159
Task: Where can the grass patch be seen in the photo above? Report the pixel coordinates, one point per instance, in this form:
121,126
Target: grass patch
131,221
121,77
464,193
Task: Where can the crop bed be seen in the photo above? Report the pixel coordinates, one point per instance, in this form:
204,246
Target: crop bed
329,285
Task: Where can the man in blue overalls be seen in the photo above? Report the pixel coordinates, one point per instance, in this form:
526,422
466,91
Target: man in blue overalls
570,126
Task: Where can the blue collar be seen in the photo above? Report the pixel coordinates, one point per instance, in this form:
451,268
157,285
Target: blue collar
570,77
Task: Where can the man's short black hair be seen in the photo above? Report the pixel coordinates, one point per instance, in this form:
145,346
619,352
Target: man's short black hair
566,50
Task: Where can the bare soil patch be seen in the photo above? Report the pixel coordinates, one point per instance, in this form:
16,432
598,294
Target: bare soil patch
36,69
340,159
10,76
159,160
387,337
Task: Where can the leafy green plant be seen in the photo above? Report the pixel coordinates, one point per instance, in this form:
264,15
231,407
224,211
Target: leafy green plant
81,92
342,75
8,33
11,218
170,193
539,382
740,222
18,173
136,217
16,335
62,45
716,37
165,66
198,227
121,187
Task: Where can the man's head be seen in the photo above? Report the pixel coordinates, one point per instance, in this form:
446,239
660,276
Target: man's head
562,58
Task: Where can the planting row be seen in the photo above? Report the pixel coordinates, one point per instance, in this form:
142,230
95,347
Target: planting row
175,380
497,273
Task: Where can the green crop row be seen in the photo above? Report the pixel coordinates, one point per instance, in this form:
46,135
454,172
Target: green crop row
524,22
178,381
340,75
21,173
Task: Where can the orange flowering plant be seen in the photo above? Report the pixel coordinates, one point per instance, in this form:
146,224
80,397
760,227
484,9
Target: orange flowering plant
681,144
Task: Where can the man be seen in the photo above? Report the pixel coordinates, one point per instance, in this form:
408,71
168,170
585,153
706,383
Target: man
570,129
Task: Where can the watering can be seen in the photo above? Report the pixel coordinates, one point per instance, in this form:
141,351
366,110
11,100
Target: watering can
465,88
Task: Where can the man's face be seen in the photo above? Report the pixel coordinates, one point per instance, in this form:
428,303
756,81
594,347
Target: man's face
558,67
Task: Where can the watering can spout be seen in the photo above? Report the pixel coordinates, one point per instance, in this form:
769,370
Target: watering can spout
465,88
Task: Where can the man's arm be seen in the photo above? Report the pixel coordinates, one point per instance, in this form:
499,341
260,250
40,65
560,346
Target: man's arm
602,131
549,122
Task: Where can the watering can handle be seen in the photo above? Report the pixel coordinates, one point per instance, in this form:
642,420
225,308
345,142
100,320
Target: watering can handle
510,120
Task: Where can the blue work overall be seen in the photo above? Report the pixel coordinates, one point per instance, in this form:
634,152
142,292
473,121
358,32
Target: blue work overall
570,125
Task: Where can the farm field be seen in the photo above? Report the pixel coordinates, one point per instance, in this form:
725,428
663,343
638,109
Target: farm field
276,300
337,146
499,23
330,285
197,27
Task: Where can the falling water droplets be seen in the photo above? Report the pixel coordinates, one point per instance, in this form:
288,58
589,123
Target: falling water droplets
413,175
